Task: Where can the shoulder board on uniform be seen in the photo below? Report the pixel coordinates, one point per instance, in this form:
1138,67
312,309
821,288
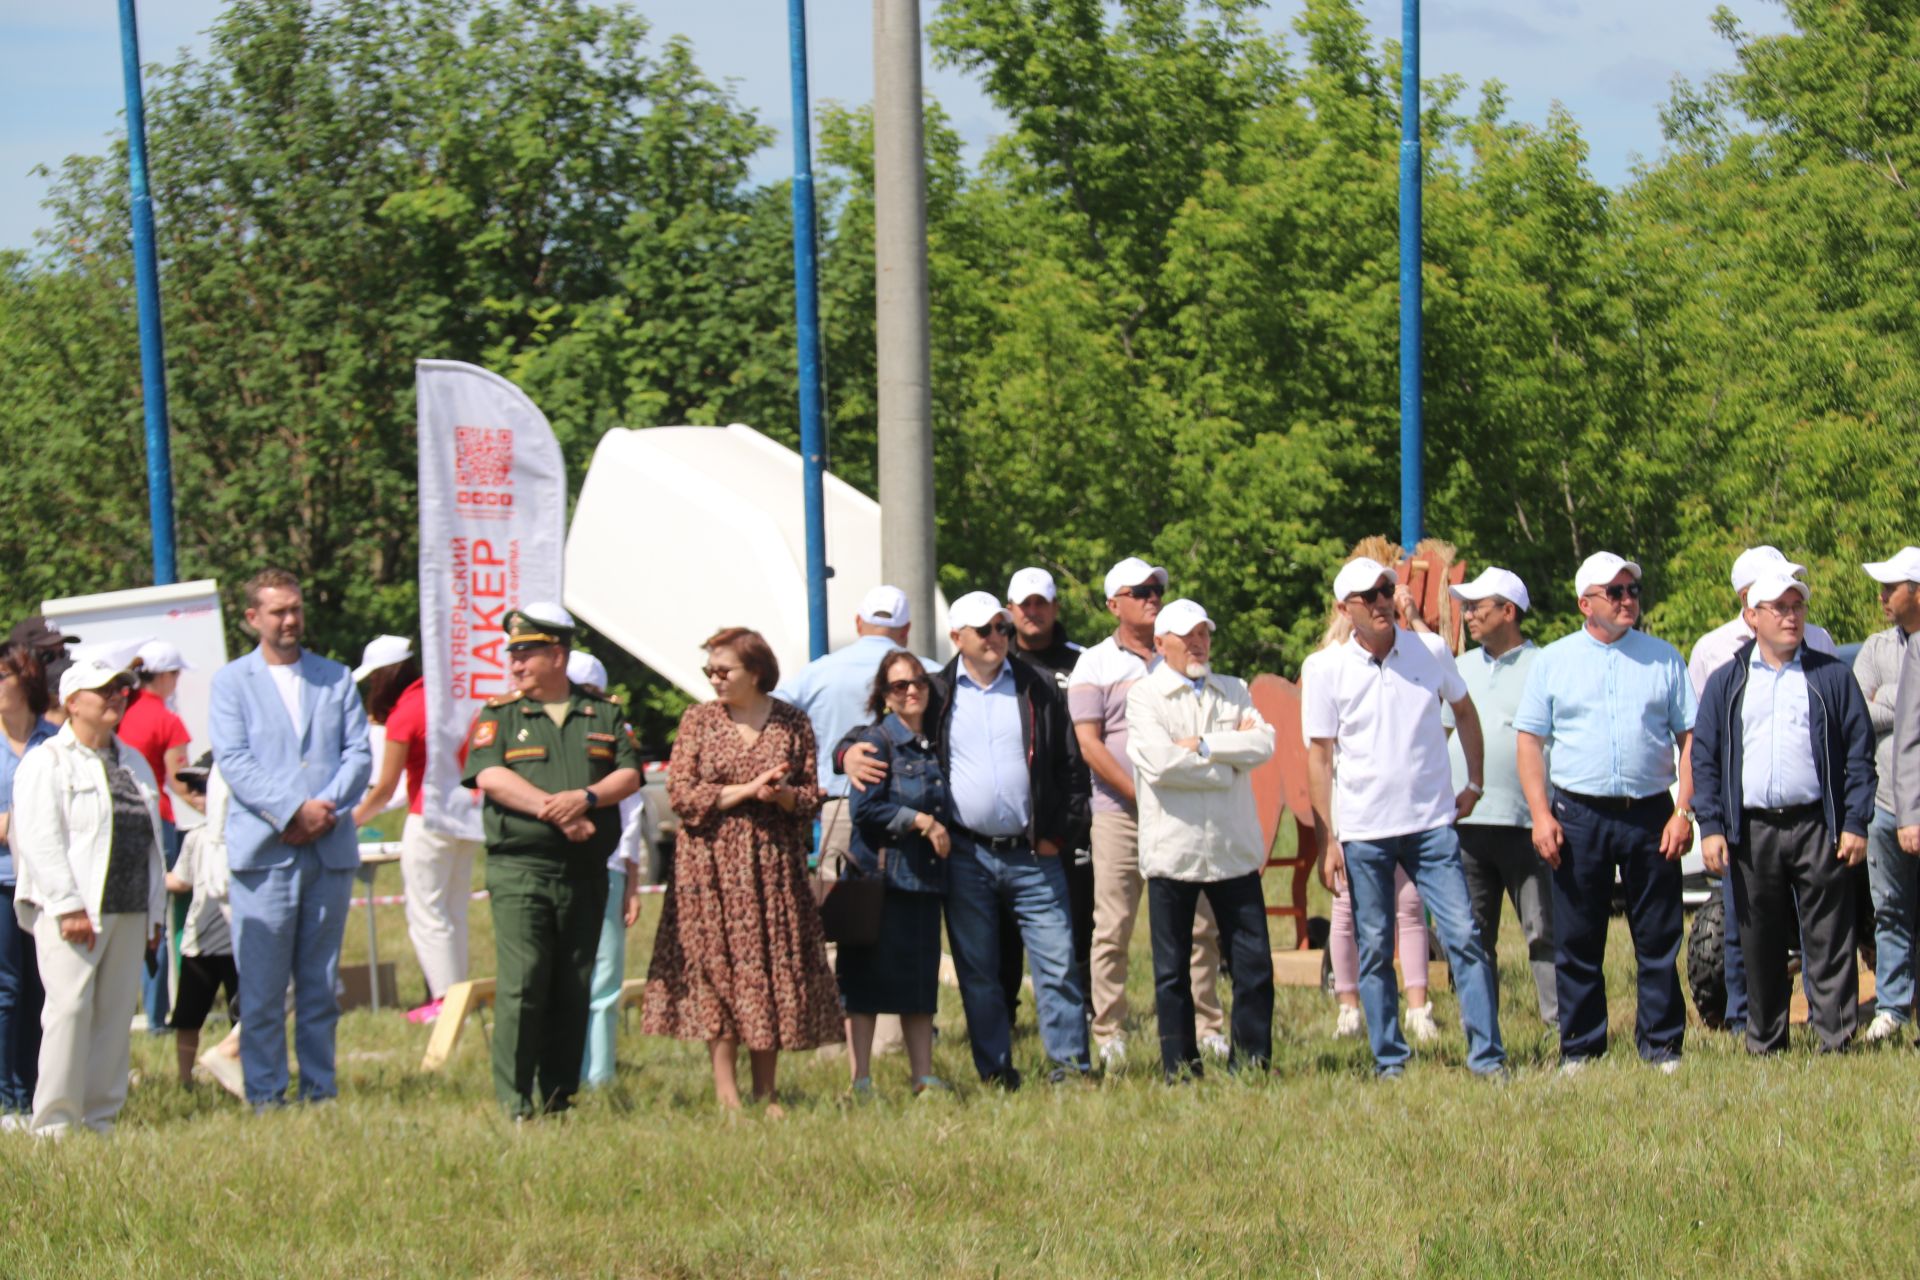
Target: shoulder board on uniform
505,699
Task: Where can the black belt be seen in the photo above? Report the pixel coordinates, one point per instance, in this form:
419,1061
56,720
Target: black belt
1609,802
993,844
1788,815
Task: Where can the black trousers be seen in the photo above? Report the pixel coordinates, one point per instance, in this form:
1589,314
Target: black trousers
1241,912
1786,879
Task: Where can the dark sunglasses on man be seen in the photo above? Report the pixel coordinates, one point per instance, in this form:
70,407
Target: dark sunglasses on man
1145,591
1379,591
1618,591
1000,628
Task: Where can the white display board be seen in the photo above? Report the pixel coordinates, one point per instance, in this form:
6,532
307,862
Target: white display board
186,614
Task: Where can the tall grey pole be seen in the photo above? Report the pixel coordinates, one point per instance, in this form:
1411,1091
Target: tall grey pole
900,312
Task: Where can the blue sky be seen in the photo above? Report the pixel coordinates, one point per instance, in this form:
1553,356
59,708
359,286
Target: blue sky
1609,61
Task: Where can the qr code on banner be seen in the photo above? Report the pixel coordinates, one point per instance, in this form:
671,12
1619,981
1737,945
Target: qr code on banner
483,455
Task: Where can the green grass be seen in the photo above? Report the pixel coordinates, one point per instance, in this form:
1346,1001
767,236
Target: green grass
1783,1168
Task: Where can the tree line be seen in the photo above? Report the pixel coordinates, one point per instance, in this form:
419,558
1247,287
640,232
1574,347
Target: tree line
1164,302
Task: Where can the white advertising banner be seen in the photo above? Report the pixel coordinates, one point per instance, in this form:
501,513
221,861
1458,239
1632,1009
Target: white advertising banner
493,528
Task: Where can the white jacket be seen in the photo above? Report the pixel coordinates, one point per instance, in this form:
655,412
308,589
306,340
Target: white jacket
1197,816
63,828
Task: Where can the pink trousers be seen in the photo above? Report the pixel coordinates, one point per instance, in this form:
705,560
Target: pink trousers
1410,928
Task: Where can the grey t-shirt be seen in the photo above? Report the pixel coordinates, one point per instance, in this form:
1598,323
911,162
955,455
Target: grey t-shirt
130,856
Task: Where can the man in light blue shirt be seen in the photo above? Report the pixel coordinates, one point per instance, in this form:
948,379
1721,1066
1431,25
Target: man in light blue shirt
1496,839
1613,704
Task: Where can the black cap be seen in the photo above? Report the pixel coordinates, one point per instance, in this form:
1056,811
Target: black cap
38,633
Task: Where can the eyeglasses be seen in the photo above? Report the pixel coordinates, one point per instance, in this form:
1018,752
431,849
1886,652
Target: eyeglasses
1145,591
1618,591
1781,609
996,629
1380,591
718,673
901,688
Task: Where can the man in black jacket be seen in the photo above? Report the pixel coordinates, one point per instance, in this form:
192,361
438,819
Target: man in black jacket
1783,782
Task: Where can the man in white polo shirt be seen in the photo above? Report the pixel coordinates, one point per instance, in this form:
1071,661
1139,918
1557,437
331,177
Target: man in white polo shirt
1370,714
1097,700
1496,839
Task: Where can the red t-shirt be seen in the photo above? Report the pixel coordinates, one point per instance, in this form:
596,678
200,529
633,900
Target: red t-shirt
152,730
407,723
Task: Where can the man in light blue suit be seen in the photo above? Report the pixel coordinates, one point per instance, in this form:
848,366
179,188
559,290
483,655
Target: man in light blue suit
290,737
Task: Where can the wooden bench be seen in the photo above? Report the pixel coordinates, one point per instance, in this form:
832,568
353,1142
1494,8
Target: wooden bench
465,999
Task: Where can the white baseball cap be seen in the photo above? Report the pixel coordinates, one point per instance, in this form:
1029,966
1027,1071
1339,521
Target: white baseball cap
885,607
381,651
1756,562
1030,582
1131,572
1772,586
1599,569
1359,574
1180,617
1504,583
115,655
157,656
1903,567
88,673
974,609
584,668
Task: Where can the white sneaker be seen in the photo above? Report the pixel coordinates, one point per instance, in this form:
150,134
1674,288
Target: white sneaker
1216,1046
1349,1023
14,1122
1572,1067
1671,1067
1113,1054
1420,1024
1883,1027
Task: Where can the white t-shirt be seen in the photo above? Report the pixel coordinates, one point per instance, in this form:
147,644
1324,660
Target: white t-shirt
286,679
1391,774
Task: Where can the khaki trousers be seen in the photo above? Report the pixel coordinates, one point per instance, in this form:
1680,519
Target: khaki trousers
836,839
1117,888
86,1026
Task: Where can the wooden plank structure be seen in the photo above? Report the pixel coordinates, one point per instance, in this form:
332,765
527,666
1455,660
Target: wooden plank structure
465,999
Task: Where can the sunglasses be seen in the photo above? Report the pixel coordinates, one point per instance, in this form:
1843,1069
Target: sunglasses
715,673
996,628
1618,591
1146,591
901,688
1372,594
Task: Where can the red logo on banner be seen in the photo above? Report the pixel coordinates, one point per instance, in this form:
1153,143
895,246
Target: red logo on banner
483,456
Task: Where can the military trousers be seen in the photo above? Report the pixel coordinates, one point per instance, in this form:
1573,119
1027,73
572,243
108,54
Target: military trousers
546,928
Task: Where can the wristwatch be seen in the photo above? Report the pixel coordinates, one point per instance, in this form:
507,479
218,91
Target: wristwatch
1476,788
593,801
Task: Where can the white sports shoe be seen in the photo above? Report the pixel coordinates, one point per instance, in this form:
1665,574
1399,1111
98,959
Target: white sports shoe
1671,1067
1420,1024
1883,1027
1113,1054
1349,1023
1216,1046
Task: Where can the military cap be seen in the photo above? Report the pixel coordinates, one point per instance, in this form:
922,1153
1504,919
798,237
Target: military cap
538,624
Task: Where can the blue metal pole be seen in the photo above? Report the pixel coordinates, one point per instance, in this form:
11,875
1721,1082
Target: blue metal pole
1412,516
806,306
146,269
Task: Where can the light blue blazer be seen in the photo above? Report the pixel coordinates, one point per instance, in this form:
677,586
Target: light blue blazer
273,767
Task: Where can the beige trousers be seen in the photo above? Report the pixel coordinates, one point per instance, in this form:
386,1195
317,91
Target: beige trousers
836,839
1117,887
87,1023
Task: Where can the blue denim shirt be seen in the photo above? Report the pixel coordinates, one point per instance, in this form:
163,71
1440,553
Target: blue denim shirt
8,763
883,814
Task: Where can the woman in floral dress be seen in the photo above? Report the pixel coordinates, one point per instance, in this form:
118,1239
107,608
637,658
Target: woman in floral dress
740,957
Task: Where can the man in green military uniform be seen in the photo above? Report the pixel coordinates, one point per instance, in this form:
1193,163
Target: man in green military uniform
553,762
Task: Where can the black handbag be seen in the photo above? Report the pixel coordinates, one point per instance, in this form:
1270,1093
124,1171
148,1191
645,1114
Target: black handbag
850,909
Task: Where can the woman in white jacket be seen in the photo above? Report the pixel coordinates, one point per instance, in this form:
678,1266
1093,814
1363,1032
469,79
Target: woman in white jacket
92,890
1195,739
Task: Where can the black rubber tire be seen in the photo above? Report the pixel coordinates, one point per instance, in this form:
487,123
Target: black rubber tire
1706,971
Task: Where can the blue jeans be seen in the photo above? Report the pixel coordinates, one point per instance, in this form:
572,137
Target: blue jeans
20,999
1895,877
287,925
609,970
1432,862
978,882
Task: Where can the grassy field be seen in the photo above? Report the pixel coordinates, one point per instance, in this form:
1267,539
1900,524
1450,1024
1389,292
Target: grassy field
1784,1168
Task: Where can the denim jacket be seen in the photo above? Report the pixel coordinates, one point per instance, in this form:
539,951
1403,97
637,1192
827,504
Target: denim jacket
884,813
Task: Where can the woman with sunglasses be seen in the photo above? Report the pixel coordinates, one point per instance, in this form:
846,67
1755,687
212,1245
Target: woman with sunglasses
899,834
740,956
92,888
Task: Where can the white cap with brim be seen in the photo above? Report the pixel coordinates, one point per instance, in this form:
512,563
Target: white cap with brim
1756,562
1903,567
1180,617
584,668
1504,583
158,656
88,673
115,655
885,607
1600,568
1772,586
1359,574
974,609
1031,582
1131,572
382,651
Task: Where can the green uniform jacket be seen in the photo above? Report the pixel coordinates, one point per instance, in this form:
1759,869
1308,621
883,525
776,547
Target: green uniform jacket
517,733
